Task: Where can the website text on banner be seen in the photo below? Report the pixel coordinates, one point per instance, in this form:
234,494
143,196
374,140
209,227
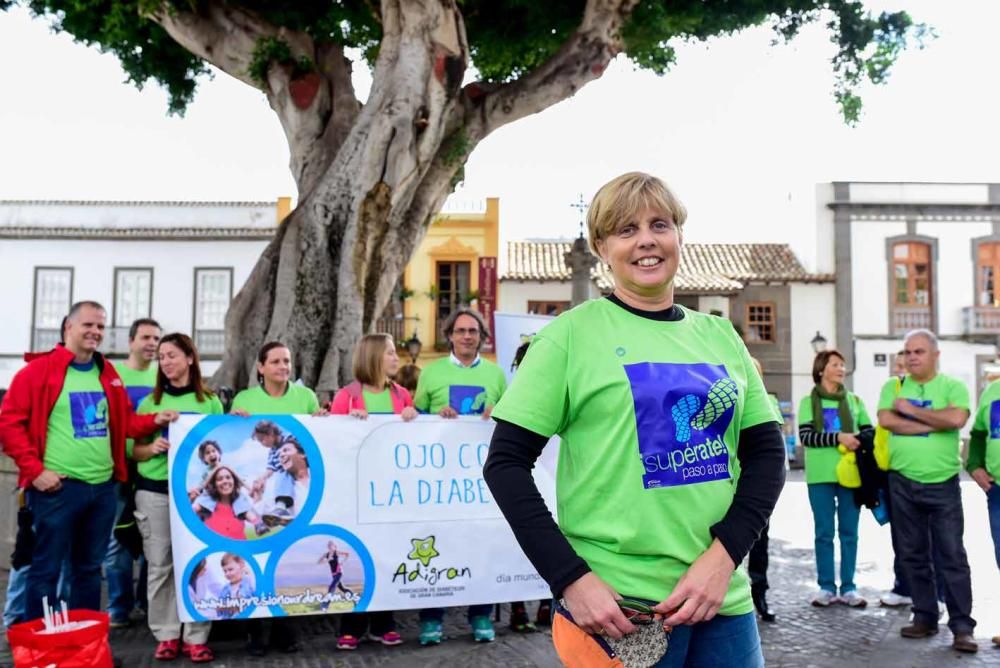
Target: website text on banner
339,515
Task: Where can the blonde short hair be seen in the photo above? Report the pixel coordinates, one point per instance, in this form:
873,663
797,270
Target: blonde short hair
623,197
367,367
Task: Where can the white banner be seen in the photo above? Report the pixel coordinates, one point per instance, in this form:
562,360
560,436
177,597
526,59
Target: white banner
308,515
511,330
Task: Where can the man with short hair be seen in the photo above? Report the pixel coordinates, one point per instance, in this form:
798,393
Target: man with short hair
461,384
924,414
64,422
138,373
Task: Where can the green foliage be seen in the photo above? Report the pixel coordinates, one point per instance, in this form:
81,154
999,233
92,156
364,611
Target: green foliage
274,50
506,38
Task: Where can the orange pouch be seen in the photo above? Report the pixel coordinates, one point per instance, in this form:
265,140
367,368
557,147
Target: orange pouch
577,648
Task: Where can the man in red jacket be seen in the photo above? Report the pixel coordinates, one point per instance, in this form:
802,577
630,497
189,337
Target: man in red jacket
64,421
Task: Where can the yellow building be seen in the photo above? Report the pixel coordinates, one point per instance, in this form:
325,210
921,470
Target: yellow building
454,265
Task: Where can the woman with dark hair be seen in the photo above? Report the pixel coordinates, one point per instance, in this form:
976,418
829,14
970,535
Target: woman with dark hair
275,394
179,387
670,454
830,420
224,507
372,391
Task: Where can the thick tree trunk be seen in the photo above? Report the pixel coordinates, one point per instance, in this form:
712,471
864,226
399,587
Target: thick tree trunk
331,267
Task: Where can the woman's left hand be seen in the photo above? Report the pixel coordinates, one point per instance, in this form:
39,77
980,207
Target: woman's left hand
408,413
701,590
322,412
359,413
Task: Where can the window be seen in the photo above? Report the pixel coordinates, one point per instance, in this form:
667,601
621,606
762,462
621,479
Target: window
911,270
987,271
133,295
213,290
760,322
53,297
547,308
453,288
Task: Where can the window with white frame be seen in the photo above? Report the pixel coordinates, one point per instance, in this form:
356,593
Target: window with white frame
133,295
53,297
213,290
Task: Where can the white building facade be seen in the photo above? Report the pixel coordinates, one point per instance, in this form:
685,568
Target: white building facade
907,256
177,262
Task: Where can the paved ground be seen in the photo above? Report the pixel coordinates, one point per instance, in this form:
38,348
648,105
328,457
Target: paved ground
803,637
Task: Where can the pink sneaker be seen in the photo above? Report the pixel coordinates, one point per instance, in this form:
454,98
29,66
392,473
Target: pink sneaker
390,639
347,642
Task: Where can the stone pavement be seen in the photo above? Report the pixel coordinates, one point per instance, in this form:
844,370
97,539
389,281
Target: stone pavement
803,637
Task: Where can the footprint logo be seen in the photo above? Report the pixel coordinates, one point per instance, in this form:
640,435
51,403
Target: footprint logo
682,412
686,414
721,397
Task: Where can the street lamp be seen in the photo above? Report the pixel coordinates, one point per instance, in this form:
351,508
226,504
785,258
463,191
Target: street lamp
818,343
413,346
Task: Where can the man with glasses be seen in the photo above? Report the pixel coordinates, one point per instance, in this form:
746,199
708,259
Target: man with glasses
924,413
461,384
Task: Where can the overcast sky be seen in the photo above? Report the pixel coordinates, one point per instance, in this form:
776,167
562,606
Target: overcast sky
741,129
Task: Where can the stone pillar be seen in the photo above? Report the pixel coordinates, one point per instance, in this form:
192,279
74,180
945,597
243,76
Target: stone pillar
580,261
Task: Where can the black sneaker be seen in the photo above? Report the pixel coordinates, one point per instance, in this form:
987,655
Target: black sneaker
519,621
544,615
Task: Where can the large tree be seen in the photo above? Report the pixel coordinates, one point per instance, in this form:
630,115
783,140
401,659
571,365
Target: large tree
371,175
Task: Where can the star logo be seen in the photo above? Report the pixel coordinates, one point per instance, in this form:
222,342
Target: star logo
423,550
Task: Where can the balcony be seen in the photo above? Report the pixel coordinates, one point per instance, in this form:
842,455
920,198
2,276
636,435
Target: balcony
981,320
210,342
905,319
398,327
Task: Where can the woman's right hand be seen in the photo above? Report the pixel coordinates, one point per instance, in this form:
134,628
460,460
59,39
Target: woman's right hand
359,413
594,606
159,446
849,441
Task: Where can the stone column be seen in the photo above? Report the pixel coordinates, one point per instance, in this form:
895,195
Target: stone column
580,261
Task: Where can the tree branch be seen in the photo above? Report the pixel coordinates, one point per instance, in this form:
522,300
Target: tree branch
582,59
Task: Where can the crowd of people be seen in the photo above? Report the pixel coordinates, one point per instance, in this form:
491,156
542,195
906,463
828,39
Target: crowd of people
629,374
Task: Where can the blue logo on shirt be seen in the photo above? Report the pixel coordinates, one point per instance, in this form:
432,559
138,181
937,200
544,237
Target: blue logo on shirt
682,412
137,393
995,419
467,399
831,420
919,403
89,414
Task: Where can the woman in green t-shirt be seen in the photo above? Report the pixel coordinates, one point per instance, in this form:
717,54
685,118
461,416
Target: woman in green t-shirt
372,391
830,421
670,454
179,386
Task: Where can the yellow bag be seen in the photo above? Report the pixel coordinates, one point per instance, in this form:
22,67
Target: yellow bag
882,439
847,469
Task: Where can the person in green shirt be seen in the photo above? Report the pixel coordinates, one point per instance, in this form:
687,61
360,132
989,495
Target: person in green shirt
179,386
372,392
138,373
983,463
670,457
461,384
924,414
831,419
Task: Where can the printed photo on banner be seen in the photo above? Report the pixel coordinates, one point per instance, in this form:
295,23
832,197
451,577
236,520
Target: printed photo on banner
248,479
222,585
320,573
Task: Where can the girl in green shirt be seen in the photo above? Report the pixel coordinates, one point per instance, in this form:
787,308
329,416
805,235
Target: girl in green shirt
179,386
830,421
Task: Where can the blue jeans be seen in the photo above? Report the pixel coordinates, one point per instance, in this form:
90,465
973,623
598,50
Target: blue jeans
118,565
829,499
993,506
721,641
932,512
437,614
17,589
72,523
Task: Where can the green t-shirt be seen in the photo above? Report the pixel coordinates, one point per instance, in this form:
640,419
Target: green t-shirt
77,443
377,402
988,421
137,383
156,468
297,400
469,390
821,463
933,457
649,414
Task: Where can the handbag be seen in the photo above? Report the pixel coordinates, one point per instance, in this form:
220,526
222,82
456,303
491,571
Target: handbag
82,647
847,469
882,439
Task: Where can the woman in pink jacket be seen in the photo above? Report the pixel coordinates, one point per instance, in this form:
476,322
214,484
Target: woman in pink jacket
372,392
